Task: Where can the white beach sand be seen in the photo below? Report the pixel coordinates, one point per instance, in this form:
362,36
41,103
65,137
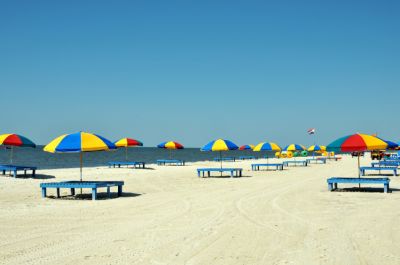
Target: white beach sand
170,216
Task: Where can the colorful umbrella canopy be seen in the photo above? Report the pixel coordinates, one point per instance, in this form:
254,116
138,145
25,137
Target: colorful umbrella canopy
246,147
78,143
127,142
219,145
170,145
12,139
16,140
357,142
316,148
294,147
267,146
391,145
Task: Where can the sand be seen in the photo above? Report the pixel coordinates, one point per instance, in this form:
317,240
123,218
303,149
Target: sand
170,216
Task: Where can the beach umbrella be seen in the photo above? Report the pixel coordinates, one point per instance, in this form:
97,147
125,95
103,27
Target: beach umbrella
357,143
267,146
78,143
246,147
316,148
127,142
391,145
170,145
294,147
220,145
11,140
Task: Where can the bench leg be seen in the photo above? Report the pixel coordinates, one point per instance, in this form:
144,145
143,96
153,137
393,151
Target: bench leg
108,192
25,172
198,174
15,173
119,190
232,174
44,193
58,192
34,173
335,186
330,186
4,172
94,194
72,191
386,188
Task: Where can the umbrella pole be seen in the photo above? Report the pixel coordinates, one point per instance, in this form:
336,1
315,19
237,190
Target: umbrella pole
81,163
359,175
220,160
170,153
126,153
11,155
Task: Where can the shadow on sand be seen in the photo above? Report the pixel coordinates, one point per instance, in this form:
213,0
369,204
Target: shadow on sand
100,196
364,189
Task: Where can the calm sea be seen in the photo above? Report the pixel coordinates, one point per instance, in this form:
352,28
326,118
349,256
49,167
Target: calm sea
37,157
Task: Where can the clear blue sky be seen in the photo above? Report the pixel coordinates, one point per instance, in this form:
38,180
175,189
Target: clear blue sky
193,71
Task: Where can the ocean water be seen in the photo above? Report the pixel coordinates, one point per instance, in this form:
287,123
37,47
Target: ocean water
44,160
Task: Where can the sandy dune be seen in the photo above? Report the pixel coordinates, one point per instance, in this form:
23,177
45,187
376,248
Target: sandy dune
170,216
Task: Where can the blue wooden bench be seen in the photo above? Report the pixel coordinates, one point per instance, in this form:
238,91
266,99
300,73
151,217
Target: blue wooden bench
218,159
247,157
176,162
278,166
234,172
386,164
299,162
72,185
14,169
320,160
333,182
379,169
392,160
133,163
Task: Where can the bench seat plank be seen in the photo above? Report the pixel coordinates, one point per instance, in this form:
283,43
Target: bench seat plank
364,169
170,161
72,185
218,159
234,172
136,164
247,157
316,160
333,182
302,162
14,169
256,167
